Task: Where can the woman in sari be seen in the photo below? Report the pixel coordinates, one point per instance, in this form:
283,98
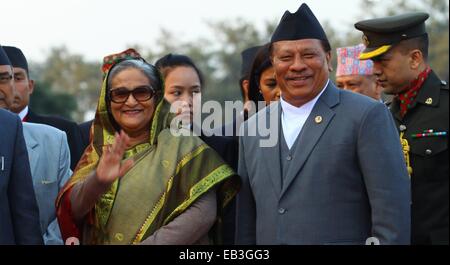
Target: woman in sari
137,183
183,86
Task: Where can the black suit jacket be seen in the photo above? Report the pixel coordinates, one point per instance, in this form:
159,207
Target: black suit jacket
71,128
429,161
85,128
228,149
19,212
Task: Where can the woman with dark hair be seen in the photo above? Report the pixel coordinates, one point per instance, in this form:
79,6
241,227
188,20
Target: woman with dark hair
183,83
137,183
262,83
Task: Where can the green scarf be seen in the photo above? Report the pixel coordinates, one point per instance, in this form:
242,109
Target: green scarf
169,174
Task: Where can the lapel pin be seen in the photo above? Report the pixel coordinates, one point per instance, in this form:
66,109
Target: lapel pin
318,119
429,101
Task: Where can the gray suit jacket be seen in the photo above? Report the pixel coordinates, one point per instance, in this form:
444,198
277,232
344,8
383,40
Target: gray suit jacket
347,181
19,213
49,156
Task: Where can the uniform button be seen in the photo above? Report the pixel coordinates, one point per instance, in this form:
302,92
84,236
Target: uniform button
402,128
281,211
289,158
428,152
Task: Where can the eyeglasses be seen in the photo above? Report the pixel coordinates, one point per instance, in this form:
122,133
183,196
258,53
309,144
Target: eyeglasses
140,94
5,79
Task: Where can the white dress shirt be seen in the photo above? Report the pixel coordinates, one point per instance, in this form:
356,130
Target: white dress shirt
23,113
293,118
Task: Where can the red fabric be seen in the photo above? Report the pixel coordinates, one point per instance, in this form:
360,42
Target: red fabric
67,224
412,90
25,119
112,59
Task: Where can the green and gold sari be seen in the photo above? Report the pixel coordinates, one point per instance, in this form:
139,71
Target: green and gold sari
169,174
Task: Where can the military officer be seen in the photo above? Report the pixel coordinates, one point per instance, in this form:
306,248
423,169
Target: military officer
398,45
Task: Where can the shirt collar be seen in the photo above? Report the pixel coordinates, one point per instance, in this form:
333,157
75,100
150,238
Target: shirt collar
23,113
289,109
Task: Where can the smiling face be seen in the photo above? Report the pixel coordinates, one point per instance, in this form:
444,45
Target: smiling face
132,116
301,68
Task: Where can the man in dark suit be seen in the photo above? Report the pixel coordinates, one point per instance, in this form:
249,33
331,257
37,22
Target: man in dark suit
85,129
19,213
247,55
398,45
331,170
226,147
24,87
249,105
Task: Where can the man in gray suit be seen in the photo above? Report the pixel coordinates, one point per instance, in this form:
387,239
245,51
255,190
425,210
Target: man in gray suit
49,157
49,160
19,213
337,174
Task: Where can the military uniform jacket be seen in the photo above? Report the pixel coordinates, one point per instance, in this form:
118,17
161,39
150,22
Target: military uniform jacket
429,161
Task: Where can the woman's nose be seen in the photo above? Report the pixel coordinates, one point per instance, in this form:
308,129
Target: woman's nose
131,101
187,99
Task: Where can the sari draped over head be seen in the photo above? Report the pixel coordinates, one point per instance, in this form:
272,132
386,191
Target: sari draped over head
169,174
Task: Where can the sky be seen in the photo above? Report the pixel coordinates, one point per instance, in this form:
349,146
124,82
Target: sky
94,28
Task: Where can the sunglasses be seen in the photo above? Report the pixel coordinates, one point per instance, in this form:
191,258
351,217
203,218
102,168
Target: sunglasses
140,94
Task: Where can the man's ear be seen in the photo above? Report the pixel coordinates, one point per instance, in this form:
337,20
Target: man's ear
328,58
415,59
30,86
244,84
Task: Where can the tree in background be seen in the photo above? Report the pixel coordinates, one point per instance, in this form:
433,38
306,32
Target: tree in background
70,76
218,56
46,101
